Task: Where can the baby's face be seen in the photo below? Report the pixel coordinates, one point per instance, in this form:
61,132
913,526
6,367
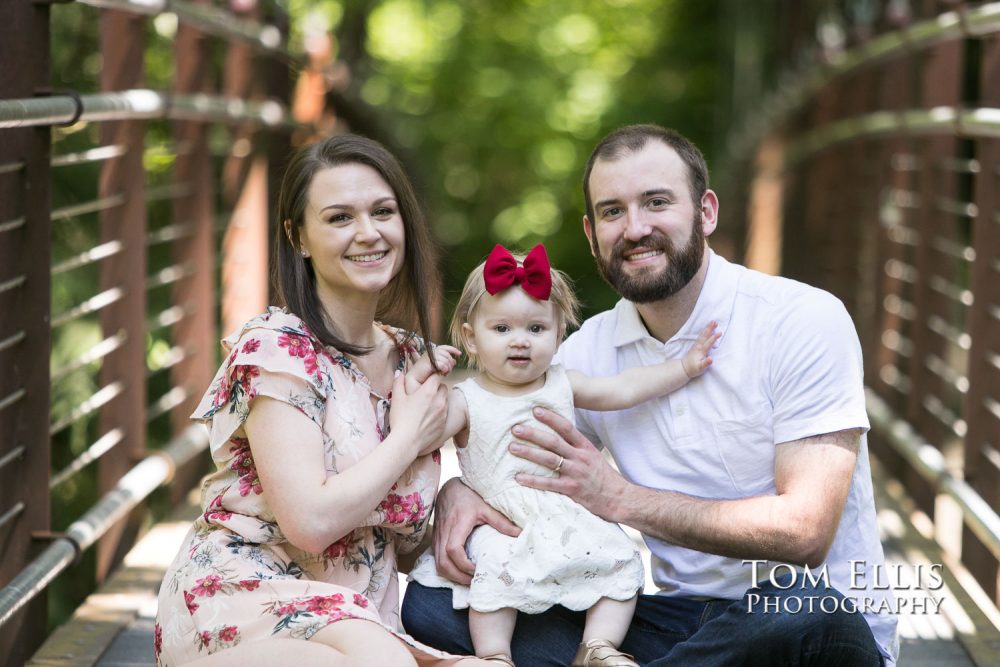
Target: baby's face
514,337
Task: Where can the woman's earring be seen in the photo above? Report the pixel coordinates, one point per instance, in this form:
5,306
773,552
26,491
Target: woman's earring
305,254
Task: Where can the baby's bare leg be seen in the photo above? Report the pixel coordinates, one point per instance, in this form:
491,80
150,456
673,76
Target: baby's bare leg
491,630
609,619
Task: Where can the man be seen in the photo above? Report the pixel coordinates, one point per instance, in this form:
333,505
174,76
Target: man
760,463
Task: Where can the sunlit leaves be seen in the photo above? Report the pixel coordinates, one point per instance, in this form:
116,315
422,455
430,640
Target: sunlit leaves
413,32
500,104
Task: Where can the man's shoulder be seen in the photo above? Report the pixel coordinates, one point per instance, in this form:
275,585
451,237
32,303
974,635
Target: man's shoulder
591,342
595,328
778,308
785,294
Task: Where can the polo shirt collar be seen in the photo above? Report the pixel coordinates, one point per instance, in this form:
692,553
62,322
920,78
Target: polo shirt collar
716,302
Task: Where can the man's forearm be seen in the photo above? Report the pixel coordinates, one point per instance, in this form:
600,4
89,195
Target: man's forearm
795,525
763,527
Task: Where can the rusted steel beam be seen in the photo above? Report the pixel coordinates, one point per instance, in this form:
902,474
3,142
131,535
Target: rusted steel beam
195,293
888,355
24,329
982,444
939,85
279,144
244,245
122,48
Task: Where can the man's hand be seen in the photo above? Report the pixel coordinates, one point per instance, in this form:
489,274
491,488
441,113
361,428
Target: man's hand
458,511
584,473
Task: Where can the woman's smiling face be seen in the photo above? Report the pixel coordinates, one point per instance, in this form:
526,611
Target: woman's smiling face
352,232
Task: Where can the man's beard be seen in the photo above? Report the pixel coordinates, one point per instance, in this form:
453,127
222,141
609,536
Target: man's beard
647,286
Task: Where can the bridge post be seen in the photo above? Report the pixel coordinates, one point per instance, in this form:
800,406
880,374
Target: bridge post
195,293
25,334
122,48
939,86
244,247
982,411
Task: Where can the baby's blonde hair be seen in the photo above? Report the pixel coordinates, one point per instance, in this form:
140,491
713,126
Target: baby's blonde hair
562,297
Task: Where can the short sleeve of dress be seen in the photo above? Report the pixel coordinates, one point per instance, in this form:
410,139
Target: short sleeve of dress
275,356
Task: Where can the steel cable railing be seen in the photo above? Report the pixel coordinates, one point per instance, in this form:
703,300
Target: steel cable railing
154,471
152,207
140,104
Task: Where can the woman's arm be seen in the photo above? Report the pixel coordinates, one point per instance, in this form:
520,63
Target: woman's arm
312,509
639,384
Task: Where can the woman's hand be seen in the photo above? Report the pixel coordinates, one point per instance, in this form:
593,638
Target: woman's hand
458,511
417,417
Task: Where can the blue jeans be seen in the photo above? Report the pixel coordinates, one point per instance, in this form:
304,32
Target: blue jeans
672,630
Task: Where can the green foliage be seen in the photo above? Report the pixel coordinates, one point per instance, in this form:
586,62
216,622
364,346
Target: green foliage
501,104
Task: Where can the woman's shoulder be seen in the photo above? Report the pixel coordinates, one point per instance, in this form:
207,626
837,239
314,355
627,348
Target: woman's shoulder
278,340
269,325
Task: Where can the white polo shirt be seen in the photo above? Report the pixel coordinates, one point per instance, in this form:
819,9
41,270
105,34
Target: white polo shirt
788,366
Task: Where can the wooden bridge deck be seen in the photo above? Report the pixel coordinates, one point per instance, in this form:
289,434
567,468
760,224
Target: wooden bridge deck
115,626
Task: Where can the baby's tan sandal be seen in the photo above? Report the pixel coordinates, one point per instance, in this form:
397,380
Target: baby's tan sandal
499,658
601,653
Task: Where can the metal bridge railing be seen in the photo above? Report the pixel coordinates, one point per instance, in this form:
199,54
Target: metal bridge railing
877,166
114,240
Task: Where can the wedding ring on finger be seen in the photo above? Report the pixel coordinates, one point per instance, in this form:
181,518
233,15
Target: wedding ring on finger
559,465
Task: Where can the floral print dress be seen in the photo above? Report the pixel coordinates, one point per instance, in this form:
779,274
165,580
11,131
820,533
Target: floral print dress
236,578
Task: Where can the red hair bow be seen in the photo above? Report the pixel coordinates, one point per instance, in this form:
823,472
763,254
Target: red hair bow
534,277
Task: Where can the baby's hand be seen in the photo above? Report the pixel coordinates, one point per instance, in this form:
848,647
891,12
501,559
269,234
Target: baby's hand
444,355
698,358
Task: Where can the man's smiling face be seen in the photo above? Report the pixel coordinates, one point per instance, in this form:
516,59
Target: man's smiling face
647,234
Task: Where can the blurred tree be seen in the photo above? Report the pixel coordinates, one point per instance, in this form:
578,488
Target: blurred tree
496,105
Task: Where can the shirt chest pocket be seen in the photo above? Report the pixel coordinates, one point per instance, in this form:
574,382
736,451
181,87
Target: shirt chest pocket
746,446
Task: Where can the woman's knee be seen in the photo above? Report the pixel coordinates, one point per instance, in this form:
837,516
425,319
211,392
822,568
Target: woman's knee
365,643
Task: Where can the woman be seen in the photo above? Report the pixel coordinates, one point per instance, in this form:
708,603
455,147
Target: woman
318,484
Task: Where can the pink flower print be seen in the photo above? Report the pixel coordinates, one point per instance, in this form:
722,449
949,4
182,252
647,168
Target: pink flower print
286,609
206,638
298,346
243,377
436,456
228,633
221,394
413,507
361,600
215,511
312,368
208,586
242,456
393,508
189,601
248,484
325,604
250,346
249,584
158,639
301,347
244,466
340,548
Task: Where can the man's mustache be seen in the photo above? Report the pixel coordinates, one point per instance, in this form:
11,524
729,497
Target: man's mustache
653,241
